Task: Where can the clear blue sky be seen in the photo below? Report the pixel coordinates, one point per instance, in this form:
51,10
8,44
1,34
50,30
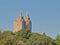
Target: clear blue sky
45,14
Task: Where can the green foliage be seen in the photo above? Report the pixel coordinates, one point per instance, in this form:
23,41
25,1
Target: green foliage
24,33
58,39
25,37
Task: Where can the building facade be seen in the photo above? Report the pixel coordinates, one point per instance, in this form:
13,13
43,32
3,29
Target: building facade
21,23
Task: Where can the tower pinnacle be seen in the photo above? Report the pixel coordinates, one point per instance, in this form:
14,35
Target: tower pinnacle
27,16
21,14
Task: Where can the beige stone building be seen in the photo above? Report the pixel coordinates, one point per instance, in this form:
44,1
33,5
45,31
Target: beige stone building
42,33
21,23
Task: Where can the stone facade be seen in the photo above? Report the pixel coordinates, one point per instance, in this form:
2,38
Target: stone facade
42,33
21,23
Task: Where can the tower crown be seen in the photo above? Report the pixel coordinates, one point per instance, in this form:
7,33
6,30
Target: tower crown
20,18
27,18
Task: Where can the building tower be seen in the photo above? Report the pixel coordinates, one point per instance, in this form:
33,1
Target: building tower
28,22
22,23
19,23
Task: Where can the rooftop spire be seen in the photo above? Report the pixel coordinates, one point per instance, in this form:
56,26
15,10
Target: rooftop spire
27,16
20,14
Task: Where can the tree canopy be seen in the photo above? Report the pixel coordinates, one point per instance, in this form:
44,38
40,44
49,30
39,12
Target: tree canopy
25,37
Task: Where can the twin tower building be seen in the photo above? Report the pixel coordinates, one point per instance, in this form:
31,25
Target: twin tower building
22,23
